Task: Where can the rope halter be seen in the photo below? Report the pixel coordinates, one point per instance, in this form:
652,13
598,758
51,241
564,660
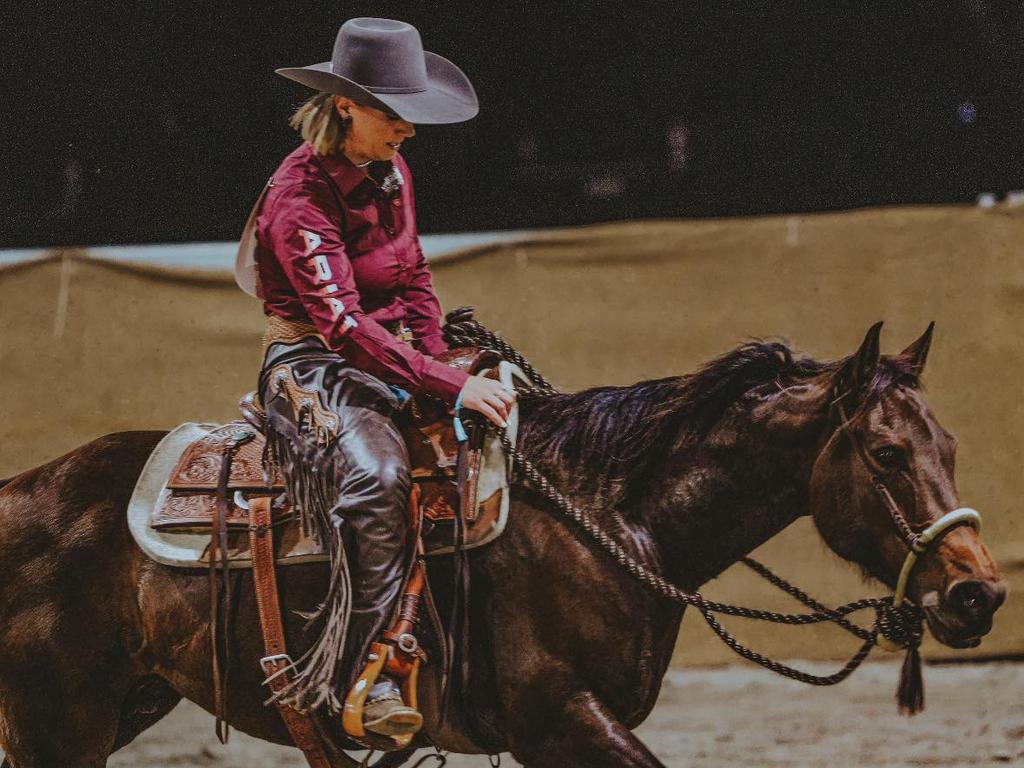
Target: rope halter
894,624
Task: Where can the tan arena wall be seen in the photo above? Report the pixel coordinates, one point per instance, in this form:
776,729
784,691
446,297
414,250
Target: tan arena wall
90,346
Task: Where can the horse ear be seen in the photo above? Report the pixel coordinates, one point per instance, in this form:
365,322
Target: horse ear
860,369
917,353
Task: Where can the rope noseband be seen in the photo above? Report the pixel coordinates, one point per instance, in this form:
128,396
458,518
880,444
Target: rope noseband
920,545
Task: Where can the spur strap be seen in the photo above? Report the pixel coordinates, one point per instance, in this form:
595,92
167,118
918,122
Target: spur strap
277,664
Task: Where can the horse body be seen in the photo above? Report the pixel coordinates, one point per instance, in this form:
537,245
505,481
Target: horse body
126,638
566,650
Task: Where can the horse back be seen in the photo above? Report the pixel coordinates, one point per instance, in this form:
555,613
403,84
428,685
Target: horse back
103,466
57,517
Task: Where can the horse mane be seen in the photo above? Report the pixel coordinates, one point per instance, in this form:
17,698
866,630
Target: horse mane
607,440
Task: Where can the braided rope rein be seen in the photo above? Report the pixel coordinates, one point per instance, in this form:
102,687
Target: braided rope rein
901,625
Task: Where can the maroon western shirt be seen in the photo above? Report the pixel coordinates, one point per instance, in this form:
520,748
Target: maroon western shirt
348,280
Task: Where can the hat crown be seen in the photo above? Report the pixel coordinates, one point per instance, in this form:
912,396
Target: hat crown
380,54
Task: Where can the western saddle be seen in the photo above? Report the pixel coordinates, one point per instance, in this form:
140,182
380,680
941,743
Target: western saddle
220,485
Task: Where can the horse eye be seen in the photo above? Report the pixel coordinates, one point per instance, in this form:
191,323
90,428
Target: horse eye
887,456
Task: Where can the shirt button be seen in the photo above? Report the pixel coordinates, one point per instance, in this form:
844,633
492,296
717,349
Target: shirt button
397,202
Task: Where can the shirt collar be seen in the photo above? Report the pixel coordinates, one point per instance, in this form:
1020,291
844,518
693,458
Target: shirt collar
344,172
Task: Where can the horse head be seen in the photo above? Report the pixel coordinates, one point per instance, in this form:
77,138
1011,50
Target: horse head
887,442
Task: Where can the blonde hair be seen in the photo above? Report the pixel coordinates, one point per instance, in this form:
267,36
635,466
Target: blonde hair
320,124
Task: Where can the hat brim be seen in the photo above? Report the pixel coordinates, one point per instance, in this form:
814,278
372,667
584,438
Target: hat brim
448,98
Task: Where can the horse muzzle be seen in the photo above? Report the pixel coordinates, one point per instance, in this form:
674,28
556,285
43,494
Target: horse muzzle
967,589
961,617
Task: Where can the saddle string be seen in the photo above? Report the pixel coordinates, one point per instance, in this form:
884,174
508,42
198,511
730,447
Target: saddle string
899,624
220,600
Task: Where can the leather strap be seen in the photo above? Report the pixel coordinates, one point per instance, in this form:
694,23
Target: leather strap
220,640
276,664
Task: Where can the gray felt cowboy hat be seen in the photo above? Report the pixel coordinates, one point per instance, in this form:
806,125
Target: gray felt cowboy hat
381,63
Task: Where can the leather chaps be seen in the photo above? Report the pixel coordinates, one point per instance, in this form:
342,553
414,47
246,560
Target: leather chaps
330,430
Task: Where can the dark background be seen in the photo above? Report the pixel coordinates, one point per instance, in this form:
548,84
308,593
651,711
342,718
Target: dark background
154,122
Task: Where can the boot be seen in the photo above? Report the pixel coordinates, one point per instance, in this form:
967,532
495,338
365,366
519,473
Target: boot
385,713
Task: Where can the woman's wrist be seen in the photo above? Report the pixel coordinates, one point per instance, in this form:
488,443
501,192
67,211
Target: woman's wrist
444,381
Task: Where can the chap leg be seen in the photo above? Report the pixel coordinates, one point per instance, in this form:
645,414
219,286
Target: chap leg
371,509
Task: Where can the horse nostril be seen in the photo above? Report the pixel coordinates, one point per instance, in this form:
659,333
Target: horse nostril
976,599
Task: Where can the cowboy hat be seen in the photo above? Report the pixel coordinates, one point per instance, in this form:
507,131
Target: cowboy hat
381,63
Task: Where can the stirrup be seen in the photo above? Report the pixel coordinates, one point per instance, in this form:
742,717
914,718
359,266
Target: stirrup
355,702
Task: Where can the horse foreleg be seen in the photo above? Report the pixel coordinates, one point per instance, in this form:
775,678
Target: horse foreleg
581,733
61,713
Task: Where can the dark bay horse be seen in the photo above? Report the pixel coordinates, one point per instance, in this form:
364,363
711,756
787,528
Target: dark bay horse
567,651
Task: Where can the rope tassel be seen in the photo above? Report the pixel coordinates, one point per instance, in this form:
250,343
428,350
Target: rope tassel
910,694
903,627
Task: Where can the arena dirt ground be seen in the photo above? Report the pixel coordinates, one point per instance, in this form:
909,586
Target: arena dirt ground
735,717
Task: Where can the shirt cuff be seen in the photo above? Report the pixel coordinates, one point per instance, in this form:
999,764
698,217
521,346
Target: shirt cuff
443,381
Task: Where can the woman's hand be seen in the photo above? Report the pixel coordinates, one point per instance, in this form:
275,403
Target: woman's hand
489,397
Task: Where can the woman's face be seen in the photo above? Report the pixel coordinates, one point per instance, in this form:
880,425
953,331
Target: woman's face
372,134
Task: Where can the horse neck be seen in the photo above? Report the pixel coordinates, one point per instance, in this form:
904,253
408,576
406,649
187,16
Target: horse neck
746,481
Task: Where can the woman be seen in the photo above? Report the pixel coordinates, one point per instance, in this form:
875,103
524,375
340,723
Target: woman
353,318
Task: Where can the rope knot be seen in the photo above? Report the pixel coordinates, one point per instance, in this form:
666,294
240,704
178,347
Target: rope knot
901,625
904,626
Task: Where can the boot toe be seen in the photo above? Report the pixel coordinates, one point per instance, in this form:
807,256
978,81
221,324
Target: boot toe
389,716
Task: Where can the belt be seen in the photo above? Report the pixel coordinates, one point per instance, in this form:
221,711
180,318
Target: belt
280,330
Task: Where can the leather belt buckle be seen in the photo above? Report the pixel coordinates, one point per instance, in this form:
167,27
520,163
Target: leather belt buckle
267,662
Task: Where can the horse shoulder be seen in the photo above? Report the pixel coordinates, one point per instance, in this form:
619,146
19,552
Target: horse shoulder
564,613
